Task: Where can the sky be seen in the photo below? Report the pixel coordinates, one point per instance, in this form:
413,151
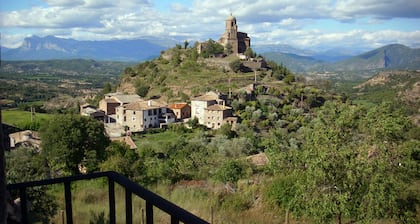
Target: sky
305,24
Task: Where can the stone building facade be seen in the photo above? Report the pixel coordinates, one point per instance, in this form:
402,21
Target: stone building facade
238,41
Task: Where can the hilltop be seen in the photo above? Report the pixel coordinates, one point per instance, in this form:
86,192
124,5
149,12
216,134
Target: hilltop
180,72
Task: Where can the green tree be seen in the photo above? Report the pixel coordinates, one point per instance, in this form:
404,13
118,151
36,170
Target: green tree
107,88
26,164
230,172
186,43
235,65
351,164
72,140
142,89
249,53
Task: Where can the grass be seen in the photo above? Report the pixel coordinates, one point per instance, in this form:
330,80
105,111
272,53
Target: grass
90,199
22,119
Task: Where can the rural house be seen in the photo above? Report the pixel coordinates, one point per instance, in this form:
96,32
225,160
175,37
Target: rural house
200,103
113,100
181,110
216,115
140,115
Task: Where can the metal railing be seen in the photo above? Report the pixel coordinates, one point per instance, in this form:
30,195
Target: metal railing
177,214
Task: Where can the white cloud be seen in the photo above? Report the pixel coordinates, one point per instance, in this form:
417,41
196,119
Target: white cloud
264,20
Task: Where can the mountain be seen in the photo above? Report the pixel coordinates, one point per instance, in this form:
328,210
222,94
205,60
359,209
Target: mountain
50,47
296,63
394,56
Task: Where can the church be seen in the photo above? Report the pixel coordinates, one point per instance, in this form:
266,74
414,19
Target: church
231,39
238,41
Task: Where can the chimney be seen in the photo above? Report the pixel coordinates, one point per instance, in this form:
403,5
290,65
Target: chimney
149,103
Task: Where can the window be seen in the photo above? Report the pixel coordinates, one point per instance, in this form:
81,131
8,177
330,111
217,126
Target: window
134,112
134,118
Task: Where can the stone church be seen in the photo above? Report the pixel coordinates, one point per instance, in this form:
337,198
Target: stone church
239,41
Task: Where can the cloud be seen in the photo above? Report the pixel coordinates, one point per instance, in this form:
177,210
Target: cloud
286,22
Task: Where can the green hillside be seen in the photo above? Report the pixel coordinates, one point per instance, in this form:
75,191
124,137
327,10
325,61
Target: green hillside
179,74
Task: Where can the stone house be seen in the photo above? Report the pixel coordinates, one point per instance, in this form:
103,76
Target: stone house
141,115
114,100
216,115
181,110
200,103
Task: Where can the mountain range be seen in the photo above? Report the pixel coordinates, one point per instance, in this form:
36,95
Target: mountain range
51,47
394,56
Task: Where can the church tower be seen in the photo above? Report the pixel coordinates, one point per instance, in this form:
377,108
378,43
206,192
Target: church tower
238,41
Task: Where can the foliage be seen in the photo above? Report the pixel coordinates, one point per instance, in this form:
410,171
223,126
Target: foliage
25,164
212,48
122,159
350,164
235,65
72,140
230,172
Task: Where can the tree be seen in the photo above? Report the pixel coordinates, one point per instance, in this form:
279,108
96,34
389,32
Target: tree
249,53
142,89
351,164
26,164
186,44
230,172
235,65
72,140
107,88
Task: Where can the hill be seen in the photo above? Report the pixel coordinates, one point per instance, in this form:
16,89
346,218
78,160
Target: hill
297,63
402,87
394,56
50,47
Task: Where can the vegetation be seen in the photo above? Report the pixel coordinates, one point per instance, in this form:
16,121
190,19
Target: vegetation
330,158
73,142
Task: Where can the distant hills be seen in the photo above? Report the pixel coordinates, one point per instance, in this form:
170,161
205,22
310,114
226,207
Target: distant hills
394,56
50,47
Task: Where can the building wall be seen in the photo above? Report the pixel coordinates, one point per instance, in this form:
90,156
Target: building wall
139,120
198,109
214,119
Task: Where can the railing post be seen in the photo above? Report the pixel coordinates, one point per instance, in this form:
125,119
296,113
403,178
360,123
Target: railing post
67,196
174,220
23,205
111,195
128,207
149,213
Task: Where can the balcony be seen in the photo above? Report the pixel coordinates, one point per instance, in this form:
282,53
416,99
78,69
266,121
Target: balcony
152,200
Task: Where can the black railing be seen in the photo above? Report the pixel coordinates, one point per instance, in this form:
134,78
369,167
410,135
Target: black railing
176,213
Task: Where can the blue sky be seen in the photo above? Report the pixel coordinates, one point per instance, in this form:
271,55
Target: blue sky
307,24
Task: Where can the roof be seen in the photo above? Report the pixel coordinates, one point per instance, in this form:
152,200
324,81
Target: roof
122,98
178,105
218,107
209,96
127,98
144,105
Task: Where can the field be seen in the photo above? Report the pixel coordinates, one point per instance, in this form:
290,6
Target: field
23,119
